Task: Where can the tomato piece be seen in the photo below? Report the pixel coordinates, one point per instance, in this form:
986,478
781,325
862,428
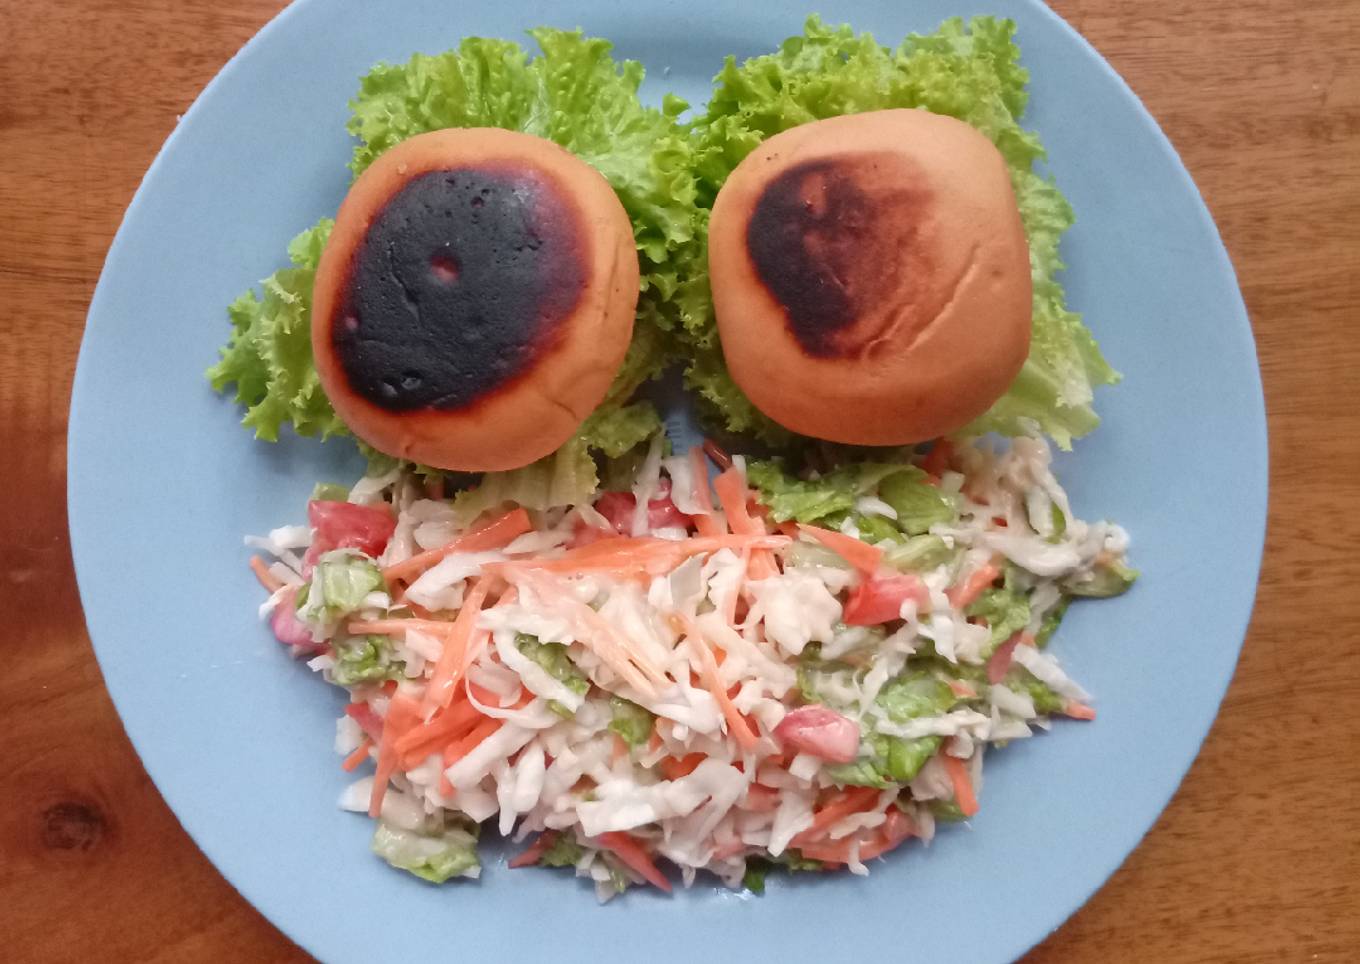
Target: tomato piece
342,525
290,630
662,513
617,507
820,732
879,599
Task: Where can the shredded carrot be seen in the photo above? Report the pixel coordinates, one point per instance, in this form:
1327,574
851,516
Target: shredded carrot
963,689
604,639
531,854
837,808
619,750
402,714
642,554
432,736
359,755
963,785
1078,711
462,747
860,554
733,495
495,534
673,768
267,579
394,627
631,853
737,725
966,593
761,799
731,489
452,664
840,851
828,852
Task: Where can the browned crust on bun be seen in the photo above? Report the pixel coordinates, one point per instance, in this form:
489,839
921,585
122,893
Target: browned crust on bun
871,277
474,300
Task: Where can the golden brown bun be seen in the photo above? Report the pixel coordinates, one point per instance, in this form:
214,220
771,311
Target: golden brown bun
474,300
871,277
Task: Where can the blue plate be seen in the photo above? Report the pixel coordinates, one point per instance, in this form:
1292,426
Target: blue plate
163,483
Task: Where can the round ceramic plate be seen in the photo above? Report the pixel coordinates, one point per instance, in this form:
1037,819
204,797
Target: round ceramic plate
164,482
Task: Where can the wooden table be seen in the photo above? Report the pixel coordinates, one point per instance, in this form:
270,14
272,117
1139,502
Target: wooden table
1255,859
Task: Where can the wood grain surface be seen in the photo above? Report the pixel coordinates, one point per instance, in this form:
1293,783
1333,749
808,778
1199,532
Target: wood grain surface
1255,859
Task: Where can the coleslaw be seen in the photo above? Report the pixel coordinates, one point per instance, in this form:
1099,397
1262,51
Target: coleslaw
719,671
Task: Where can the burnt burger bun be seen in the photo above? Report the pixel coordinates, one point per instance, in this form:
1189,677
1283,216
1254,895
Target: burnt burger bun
871,277
474,300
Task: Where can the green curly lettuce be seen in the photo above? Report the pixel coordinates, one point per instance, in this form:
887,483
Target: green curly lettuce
970,71
269,355
573,93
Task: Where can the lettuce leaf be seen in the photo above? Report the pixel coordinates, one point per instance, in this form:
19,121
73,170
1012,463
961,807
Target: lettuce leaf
918,504
631,722
1006,612
970,71
573,93
436,856
269,354
564,851
365,659
830,496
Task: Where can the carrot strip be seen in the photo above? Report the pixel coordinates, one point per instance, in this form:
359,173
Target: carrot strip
434,736
731,489
963,786
673,768
828,852
393,627
761,799
966,593
646,554
838,808
359,755
894,831
460,748
1078,711
267,579
603,638
737,726
531,854
860,554
733,495
631,853
494,535
450,665
402,713
962,689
